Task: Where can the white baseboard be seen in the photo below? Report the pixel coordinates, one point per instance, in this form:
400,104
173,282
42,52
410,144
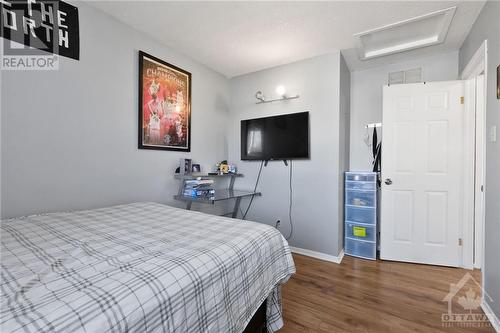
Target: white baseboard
319,255
491,316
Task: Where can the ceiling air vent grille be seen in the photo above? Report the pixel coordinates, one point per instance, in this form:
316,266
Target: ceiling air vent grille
409,76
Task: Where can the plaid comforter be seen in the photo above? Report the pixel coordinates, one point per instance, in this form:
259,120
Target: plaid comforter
143,267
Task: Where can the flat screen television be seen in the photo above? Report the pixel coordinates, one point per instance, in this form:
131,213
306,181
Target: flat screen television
281,137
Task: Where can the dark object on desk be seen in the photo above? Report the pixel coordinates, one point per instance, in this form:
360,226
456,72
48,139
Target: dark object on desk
185,166
196,168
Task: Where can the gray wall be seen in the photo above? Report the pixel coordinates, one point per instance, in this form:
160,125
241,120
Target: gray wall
487,26
366,98
69,137
315,181
344,130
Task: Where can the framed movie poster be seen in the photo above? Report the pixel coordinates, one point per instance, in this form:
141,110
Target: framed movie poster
164,105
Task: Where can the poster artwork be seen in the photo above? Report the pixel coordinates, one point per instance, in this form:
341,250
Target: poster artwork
165,105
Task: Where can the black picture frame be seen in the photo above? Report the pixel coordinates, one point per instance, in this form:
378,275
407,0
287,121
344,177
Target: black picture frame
176,74
498,82
196,168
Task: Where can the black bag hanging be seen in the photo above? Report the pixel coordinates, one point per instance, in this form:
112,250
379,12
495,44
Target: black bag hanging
377,163
374,142
377,155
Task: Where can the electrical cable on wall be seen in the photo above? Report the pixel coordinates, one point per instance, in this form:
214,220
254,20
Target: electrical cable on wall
290,197
254,190
290,202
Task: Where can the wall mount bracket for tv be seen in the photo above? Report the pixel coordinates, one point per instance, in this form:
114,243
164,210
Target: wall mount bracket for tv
267,161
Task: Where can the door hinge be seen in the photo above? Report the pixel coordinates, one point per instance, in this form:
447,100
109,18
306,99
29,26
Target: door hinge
462,99
482,188
460,242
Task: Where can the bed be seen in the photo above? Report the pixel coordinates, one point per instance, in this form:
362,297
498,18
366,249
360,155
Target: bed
142,267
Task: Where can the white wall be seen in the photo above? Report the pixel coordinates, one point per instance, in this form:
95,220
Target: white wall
69,137
366,98
315,181
344,135
487,27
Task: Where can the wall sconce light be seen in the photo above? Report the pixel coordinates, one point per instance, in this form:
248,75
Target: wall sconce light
260,96
280,90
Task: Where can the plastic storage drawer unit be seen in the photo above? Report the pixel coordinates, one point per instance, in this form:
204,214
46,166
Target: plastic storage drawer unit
354,185
366,250
361,176
363,232
360,198
361,214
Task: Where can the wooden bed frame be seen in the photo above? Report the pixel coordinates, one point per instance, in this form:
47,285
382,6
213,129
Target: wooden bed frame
258,322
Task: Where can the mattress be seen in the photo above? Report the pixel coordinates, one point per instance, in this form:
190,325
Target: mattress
142,267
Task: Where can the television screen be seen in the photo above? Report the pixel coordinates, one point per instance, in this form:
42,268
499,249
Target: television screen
275,138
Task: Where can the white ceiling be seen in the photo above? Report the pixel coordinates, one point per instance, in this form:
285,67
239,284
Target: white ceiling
236,38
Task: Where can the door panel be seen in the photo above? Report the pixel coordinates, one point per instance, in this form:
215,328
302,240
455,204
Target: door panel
403,214
437,147
437,212
404,146
423,151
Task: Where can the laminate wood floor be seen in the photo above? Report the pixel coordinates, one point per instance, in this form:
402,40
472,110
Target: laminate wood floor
366,296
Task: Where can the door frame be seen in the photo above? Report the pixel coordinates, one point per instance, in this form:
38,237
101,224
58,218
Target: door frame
473,224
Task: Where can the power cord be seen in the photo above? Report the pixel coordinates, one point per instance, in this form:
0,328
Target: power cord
290,198
254,190
290,205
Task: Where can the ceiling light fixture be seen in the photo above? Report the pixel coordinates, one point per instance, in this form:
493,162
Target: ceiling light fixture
280,90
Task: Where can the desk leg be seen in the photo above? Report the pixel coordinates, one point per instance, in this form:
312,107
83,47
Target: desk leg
188,205
236,207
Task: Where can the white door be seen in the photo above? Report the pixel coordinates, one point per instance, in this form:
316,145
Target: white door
422,172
